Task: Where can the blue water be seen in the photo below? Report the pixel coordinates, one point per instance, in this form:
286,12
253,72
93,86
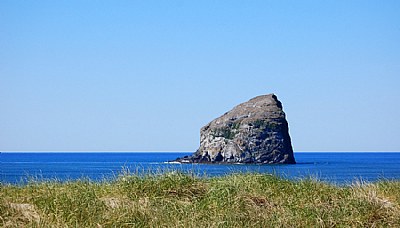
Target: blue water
337,168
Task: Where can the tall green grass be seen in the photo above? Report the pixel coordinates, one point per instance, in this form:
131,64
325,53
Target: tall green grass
180,200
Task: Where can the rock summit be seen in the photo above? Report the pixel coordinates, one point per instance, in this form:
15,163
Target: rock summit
255,131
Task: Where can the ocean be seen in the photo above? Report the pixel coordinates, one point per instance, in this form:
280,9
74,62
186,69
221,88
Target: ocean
337,168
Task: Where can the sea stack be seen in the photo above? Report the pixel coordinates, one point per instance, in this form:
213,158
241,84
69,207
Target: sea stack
255,131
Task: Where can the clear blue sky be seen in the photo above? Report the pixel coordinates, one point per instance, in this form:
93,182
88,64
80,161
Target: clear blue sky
146,75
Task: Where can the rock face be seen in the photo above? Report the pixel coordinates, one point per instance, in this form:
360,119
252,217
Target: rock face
252,132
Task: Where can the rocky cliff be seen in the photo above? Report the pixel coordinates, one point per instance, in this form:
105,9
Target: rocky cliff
252,132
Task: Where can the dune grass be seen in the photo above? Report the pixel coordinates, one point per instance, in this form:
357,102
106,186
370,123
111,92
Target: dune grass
181,200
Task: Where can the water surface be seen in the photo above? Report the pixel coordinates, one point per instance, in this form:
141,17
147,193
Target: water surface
339,168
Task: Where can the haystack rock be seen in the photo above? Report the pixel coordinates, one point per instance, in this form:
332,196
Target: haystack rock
252,132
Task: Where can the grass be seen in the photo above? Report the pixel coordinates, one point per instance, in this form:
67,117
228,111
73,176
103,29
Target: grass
180,200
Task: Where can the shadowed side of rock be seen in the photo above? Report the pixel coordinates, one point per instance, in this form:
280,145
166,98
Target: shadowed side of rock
252,132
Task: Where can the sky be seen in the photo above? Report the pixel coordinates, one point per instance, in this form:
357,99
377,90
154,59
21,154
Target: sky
147,75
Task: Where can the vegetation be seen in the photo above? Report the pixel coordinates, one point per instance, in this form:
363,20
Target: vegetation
265,125
225,132
235,125
180,200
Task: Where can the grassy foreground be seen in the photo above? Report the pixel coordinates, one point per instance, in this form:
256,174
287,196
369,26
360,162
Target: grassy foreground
179,200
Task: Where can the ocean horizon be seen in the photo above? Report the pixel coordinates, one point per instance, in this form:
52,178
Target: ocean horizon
331,167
